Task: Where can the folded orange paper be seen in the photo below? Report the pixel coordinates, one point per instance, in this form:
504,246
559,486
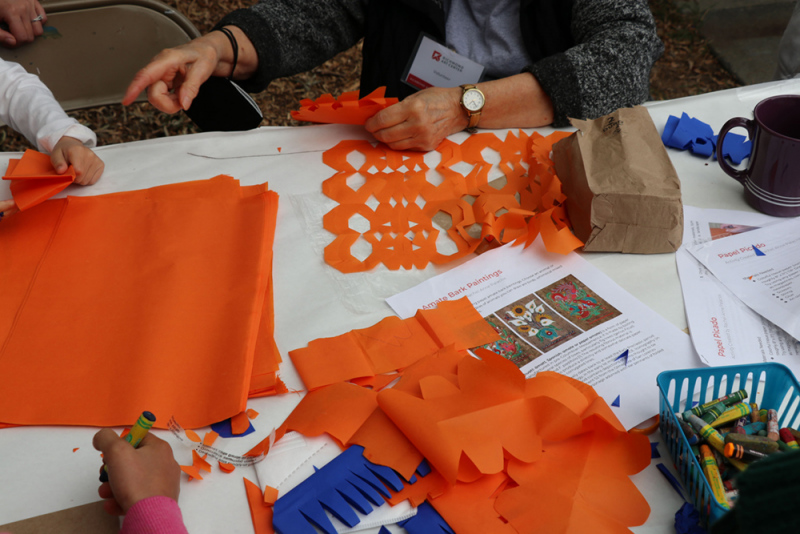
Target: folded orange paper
34,180
346,109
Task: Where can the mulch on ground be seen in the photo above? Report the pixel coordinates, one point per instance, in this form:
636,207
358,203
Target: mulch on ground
688,67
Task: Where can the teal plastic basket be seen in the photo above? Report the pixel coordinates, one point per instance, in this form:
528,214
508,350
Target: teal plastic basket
771,385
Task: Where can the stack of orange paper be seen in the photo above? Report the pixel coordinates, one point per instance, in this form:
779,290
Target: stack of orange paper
34,180
159,300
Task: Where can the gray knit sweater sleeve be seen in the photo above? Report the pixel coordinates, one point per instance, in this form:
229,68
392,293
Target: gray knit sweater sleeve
293,36
609,67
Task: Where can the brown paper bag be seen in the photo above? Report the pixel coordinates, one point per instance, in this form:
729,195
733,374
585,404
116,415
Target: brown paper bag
623,194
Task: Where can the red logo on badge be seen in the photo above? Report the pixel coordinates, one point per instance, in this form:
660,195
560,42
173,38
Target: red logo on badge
437,56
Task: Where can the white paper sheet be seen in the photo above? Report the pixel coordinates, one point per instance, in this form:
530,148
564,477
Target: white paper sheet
724,330
601,335
762,268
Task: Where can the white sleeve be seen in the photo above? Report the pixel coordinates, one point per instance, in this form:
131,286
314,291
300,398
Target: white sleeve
29,107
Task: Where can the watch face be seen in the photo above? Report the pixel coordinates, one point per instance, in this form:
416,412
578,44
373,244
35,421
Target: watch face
473,100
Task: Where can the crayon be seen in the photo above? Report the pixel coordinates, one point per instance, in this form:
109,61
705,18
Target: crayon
689,432
756,443
740,424
795,433
713,438
733,398
763,415
787,437
712,475
732,414
783,446
135,436
713,412
772,425
754,412
753,428
740,452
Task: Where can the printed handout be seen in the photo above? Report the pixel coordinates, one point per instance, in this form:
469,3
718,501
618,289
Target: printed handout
560,313
761,267
724,330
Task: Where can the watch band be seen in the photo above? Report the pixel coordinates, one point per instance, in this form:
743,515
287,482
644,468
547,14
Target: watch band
472,116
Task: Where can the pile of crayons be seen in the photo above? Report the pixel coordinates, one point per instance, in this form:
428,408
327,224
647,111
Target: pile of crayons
727,434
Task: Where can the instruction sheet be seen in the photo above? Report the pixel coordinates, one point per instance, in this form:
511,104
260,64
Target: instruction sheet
559,313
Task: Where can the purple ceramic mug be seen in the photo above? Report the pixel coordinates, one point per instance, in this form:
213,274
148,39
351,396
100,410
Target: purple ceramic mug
772,178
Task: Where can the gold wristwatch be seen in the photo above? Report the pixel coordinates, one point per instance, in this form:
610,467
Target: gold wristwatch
472,100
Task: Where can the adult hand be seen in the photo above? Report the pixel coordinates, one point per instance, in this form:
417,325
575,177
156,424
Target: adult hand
25,20
70,151
149,470
421,121
174,76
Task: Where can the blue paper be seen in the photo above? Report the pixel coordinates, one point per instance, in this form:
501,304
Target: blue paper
654,450
349,482
616,402
427,521
688,133
223,428
687,520
624,356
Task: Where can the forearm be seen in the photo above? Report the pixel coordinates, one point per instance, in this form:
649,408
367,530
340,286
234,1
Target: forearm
515,102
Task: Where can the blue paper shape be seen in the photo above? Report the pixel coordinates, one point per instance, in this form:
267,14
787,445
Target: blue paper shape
384,530
654,450
616,402
223,428
671,479
427,521
702,146
758,251
623,355
348,482
736,147
687,520
686,133
669,129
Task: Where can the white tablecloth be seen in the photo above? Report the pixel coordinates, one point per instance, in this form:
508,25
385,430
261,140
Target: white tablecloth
40,473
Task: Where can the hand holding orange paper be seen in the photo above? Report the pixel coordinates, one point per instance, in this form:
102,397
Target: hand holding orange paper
346,109
34,180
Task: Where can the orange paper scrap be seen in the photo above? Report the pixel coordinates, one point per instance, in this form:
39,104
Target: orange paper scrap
346,109
392,344
209,438
226,468
507,454
403,206
192,435
260,511
34,179
144,298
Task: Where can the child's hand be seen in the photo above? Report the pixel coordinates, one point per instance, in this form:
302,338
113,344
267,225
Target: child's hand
69,151
136,474
7,207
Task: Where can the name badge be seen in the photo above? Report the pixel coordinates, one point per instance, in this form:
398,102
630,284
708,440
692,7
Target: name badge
435,65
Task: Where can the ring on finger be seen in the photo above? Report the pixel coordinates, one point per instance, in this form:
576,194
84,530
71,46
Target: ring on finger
37,19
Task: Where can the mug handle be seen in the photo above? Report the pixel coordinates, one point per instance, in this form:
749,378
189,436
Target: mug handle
736,122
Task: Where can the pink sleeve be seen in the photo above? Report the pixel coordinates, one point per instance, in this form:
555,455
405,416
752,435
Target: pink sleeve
154,515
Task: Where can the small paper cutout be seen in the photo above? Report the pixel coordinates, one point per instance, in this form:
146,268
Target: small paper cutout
209,438
192,435
224,429
346,109
260,512
758,251
692,134
240,424
251,413
616,402
34,179
75,449
270,495
654,450
226,468
623,357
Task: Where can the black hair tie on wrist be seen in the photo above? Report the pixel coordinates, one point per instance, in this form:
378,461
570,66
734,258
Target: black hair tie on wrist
234,45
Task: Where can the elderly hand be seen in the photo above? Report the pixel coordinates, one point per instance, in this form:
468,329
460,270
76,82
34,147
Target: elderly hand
421,121
25,19
173,78
70,151
149,470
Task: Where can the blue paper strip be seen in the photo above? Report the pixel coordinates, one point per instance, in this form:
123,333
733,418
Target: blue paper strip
427,521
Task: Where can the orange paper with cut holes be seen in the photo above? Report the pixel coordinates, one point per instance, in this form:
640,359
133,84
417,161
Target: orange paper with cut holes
402,206
346,109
